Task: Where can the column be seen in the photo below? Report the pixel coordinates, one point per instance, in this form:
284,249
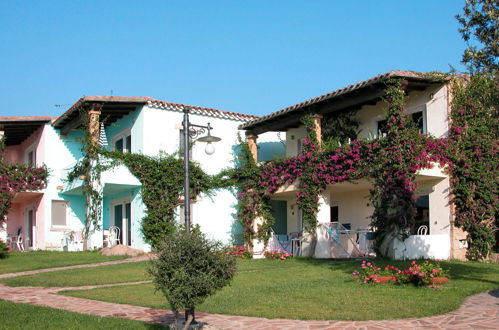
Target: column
322,246
251,139
95,239
317,128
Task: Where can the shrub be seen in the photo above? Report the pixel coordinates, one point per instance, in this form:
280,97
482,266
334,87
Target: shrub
277,254
370,273
190,268
422,274
417,274
4,250
240,252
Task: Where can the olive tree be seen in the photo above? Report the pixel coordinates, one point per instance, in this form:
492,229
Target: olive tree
190,268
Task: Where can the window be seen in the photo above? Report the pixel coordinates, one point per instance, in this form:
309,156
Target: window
122,141
181,145
382,128
419,118
334,214
299,146
59,212
30,157
423,213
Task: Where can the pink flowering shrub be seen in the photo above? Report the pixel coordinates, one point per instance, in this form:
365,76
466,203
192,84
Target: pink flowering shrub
240,252
277,254
422,274
370,273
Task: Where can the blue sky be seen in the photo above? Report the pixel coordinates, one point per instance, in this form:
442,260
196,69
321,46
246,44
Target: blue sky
245,56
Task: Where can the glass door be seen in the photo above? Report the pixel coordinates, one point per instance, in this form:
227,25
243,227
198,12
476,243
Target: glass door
128,220
118,220
31,223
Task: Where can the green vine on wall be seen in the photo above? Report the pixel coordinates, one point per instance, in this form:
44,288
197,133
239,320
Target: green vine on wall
162,179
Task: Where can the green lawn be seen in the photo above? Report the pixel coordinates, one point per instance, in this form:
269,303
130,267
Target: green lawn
32,260
119,273
296,289
309,289
23,316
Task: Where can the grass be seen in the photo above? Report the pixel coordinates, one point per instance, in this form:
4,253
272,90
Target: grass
23,316
309,289
119,273
295,289
33,260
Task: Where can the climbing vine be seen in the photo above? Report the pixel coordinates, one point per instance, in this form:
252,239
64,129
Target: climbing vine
89,169
473,142
253,200
162,179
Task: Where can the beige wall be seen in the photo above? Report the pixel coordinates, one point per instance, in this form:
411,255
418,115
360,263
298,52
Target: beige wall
352,207
292,137
433,100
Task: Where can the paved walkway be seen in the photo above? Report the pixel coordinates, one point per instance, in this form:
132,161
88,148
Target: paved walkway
480,311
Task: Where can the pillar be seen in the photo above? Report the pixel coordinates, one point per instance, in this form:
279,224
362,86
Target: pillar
93,122
258,245
251,139
317,128
95,239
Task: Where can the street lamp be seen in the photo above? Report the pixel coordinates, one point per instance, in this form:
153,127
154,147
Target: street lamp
193,131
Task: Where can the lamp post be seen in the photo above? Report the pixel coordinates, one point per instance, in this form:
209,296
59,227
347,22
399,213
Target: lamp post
192,131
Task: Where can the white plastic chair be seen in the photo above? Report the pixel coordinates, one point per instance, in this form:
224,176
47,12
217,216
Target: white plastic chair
422,230
114,236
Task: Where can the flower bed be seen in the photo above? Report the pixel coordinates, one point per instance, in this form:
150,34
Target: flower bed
240,252
277,254
425,273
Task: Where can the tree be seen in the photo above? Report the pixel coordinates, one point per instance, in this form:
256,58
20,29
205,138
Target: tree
480,30
189,269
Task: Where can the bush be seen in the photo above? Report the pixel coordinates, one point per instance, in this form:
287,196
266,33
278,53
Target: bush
189,269
4,250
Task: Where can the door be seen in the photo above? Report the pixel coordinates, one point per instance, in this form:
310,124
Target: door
30,228
128,219
279,212
122,219
118,220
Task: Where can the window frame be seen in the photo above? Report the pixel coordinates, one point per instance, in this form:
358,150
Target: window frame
59,226
122,135
29,150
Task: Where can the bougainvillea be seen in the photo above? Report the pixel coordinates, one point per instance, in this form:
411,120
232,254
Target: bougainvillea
473,144
391,162
16,178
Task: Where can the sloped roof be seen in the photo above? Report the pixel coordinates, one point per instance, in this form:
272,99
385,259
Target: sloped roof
115,107
410,75
201,110
18,129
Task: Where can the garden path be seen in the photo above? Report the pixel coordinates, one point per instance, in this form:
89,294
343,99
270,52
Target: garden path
480,311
